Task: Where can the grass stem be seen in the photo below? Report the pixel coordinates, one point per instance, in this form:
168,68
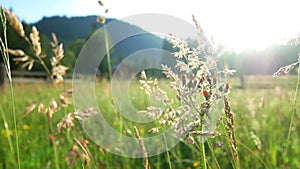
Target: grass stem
5,56
202,148
294,110
168,154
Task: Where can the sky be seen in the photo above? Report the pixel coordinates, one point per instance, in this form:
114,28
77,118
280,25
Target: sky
237,24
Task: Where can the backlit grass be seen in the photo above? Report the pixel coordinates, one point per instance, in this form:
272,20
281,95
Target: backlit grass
264,108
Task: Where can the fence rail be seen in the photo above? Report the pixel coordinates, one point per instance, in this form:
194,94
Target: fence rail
32,76
29,74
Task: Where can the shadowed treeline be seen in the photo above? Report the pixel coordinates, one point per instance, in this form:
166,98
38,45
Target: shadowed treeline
74,32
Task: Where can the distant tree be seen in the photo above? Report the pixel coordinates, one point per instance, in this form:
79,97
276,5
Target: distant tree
76,46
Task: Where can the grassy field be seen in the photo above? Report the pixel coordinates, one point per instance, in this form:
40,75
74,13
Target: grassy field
263,112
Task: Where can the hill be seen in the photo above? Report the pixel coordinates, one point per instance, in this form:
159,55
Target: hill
68,29
71,29
74,32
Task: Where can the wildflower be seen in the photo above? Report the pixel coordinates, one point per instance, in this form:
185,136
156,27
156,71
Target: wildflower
26,127
5,132
220,143
196,164
205,94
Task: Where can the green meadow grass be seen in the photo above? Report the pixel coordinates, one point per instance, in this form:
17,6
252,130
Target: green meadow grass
264,108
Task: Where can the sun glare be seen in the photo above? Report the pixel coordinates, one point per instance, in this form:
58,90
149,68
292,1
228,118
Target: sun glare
236,24
250,24
250,39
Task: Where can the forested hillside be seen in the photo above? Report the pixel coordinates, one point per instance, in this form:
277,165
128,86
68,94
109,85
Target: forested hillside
74,32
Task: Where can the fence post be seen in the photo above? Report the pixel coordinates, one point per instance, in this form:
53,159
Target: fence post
2,75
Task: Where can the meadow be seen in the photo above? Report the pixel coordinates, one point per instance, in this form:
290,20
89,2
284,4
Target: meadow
262,112
40,127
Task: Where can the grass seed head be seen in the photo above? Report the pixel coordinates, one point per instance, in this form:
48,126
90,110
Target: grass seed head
100,3
28,110
101,19
14,22
35,40
40,108
54,42
66,123
82,115
17,52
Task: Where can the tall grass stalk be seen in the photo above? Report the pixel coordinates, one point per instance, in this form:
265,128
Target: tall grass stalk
229,127
53,144
202,148
110,72
214,158
168,154
107,54
55,156
6,126
294,110
253,153
143,148
4,53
